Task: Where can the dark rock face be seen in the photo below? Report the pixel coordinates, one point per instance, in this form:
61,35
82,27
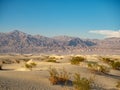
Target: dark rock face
20,42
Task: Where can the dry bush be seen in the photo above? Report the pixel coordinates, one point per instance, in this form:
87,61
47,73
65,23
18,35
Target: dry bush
81,83
51,60
58,77
105,59
30,65
77,60
33,64
115,65
118,84
1,65
96,68
111,61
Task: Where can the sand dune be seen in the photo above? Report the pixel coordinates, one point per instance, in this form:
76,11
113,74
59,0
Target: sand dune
17,77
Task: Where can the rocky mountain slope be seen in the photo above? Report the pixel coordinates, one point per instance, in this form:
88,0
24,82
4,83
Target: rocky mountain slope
20,42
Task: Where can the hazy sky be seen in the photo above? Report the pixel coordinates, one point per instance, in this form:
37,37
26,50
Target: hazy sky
79,18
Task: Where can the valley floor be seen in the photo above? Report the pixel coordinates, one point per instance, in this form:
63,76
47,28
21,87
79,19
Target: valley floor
16,77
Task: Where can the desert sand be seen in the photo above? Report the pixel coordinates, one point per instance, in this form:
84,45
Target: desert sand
15,76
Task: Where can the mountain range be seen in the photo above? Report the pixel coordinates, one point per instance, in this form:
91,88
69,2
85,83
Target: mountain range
20,42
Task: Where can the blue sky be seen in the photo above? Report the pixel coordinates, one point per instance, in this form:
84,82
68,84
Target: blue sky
79,18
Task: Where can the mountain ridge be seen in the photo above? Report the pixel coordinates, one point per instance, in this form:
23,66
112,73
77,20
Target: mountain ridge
20,42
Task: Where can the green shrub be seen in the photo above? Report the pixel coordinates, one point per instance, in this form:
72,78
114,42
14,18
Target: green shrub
81,83
77,60
58,77
118,84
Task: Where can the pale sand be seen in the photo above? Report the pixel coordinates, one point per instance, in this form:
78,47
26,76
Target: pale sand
16,77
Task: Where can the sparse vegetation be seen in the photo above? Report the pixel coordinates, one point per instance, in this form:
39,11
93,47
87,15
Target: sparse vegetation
105,59
30,65
62,77
118,84
94,67
33,64
81,83
77,60
1,65
115,65
112,62
50,60
58,77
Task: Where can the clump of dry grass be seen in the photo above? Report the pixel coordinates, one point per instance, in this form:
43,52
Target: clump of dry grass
51,60
82,83
58,77
118,84
30,65
115,65
77,60
111,61
1,65
96,68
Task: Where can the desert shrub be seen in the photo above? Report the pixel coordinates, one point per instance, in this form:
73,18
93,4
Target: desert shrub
77,60
118,84
1,65
53,75
7,61
30,65
64,75
91,64
58,77
103,69
17,61
115,65
105,59
94,67
51,60
112,62
81,83
33,64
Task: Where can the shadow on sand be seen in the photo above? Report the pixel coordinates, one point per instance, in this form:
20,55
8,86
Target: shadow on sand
6,69
109,75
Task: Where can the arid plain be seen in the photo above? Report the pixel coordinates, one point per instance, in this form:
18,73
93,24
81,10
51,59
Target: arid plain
17,74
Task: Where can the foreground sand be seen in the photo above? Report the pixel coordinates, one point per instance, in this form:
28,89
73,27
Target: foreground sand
16,77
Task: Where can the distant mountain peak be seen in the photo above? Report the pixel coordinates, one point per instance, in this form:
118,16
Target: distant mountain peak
63,38
17,33
20,42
